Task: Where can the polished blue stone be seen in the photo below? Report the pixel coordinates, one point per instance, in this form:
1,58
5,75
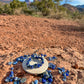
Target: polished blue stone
23,80
67,74
31,67
43,80
21,60
12,68
45,55
54,57
11,80
42,55
53,66
49,58
63,69
49,71
50,79
25,55
60,71
36,82
67,71
11,74
64,73
15,62
32,55
15,78
15,82
7,79
59,68
9,63
17,59
29,59
64,78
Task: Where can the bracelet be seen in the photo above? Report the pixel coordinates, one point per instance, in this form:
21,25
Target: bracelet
35,65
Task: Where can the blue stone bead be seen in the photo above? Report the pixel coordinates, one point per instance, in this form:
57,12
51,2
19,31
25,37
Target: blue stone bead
45,55
67,74
32,55
49,58
15,62
12,68
49,71
29,59
59,68
25,56
15,78
54,57
36,82
23,80
54,66
60,71
41,54
43,80
31,67
11,80
50,79
21,57
7,79
38,65
9,63
64,79
21,60
15,82
67,71
63,69
64,74
17,59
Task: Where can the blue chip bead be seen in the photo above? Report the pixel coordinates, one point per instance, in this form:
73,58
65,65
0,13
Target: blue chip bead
45,55
11,80
7,79
63,69
15,78
23,80
36,82
64,79
50,79
54,57
21,57
32,55
12,68
54,66
60,72
49,58
25,56
67,71
15,62
59,68
15,82
67,74
31,67
42,55
64,74
43,80
17,59
49,71
21,60
29,59
9,63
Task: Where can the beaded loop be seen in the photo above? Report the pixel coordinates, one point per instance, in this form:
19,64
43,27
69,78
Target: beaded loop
35,65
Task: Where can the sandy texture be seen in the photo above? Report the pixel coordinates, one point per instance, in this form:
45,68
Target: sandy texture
21,35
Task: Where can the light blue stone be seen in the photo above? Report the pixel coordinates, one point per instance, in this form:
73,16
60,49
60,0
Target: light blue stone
23,80
15,62
9,63
36,82
60,71
43,80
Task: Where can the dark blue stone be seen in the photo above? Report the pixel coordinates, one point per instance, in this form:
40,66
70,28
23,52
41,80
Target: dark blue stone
12,68
45,55
11,80
15,78
50,79
53,66
67,71
59,68
54,57
41,54
31,66
25,56
49,71
63,69
64,73
29,59
64,78
43,80
21,60
32,55
15,62
21,57
67,74
17,59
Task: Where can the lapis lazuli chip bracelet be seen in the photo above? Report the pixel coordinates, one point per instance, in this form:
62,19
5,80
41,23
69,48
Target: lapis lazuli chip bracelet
35,65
